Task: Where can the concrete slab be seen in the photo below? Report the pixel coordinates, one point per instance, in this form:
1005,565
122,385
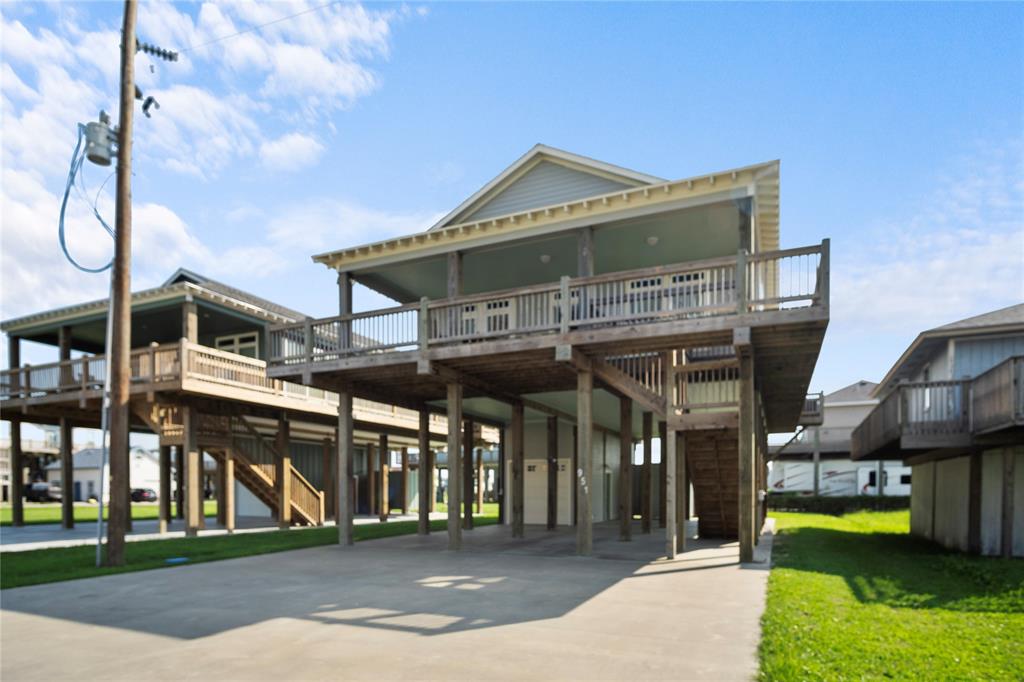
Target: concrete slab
404,608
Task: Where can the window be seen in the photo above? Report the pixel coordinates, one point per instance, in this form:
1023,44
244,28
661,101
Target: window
905,479
247,344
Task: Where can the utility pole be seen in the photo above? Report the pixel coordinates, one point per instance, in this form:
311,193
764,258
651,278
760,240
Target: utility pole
120,347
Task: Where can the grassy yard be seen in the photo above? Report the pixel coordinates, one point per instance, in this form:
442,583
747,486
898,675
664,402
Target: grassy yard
18,569
50,513
856,597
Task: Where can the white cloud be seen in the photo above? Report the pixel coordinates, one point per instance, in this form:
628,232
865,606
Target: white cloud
291,152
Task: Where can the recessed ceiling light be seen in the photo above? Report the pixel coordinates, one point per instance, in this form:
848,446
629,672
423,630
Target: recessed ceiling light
545,258
652,240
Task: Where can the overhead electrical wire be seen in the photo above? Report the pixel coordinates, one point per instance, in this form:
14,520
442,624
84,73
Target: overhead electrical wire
77,158
259,26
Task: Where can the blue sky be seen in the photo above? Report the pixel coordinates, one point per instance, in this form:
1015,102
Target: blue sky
900,129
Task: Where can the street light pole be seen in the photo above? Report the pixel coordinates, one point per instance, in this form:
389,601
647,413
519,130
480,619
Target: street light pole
120,347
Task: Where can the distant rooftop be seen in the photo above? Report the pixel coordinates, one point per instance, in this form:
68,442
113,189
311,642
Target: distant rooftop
856,392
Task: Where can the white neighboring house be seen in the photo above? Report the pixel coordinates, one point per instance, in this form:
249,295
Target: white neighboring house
792,469
144,472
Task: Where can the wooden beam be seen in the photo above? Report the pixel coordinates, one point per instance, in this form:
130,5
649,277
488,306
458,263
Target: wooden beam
67,475
516,436
467,474
500,478
646,508
662,473
585,455
229,490
404,487
669,465
371,480
190,321
746,494
575,467
327,482
628,387
552,457
681,493
179,481
220,486
454,455
426,475
164,500
284,474
344,479
384,455
625,469
454,281
193,472
481,482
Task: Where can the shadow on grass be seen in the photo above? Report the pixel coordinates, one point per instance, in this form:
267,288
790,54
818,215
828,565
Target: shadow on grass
903,571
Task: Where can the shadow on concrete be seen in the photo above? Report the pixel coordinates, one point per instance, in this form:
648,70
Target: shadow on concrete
903,571
408,584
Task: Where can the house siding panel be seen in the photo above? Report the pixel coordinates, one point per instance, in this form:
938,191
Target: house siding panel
991,502
951,502
973,357
545,184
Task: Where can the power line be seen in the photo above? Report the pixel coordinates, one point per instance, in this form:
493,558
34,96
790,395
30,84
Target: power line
258,27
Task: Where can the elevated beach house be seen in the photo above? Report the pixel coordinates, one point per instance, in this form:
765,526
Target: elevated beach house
199,382
952,407
583,305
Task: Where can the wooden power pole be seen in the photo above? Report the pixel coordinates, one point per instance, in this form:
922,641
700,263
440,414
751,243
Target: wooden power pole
121,291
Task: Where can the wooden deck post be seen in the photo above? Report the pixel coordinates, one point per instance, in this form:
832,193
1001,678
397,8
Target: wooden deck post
500,475
426,475
284,474
575,467
585,455
229,490
1009,466
179,482
219,492
880,478
974,503
816,459
345,307
646,508
67,475
190,321
681,493
404,488
384,455
662,474
17,476
371,480
467,475
454,457
552,453
625,469
164,499
481,482
747,532
342,482
668,463
327,479
516,435
193,472
64,348
585,252
432,468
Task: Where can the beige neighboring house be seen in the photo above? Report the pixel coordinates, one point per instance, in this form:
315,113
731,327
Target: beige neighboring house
952,408
144,472
823,452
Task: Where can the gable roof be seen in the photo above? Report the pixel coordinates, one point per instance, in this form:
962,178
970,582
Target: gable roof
185,275
854,393
538,154
1009,319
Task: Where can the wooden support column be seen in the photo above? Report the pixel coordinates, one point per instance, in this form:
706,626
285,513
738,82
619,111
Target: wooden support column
404,488
585,455
681,494
668,463
662,474
747,531
454,286
1009,466
516,436
426,475
284,474
974,503
575,467
646,509
433,479
481,482
499,480
67,475
346,454
467,475
454,457
179,482
190,321
229,490
552,456
585,252
17,476
193,472
221,483
384,455
880,478
328,479
64,349
164,499
816,459
625,469
371,480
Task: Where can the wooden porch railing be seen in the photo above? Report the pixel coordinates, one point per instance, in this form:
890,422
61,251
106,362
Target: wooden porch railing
997,396
932,409
720,286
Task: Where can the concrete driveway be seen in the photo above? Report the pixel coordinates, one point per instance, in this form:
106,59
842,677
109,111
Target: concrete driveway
404,608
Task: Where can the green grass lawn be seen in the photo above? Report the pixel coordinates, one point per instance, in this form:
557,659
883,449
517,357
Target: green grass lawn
34,567
50,513
855,597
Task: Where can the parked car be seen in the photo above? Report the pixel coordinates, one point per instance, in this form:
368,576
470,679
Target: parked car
143,495
41,491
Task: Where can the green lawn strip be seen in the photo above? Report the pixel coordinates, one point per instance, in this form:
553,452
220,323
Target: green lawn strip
857,597
41,514
18,569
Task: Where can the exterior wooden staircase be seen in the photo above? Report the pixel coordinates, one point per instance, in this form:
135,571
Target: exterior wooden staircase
712,462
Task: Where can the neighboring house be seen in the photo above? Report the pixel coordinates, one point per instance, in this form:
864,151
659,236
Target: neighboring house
582,305
199,382
144,472
952,407
818,461
33,451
